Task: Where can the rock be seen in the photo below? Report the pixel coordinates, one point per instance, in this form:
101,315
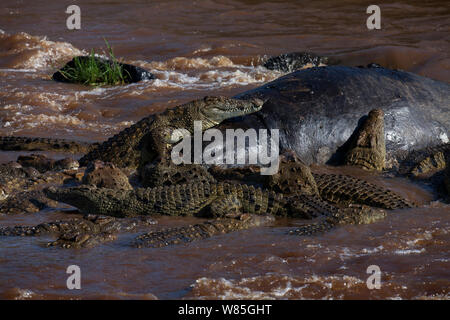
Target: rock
132,73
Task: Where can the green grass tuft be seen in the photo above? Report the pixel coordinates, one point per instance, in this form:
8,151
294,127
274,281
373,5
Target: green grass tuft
93,71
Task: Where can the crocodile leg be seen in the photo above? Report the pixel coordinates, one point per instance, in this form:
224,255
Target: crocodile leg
172,236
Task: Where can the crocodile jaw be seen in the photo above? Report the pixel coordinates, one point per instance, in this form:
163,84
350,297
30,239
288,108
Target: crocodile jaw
83,198
221,110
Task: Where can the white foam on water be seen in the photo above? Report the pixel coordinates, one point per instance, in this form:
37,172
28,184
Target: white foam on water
41,53
372,250
202,50
205,73
275,286
348,253
184,73
444,296
409,251
23,294
184,63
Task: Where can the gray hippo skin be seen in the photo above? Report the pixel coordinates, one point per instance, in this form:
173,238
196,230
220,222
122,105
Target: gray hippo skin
318,109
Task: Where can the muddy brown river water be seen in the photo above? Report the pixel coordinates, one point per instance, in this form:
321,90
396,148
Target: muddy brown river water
208,48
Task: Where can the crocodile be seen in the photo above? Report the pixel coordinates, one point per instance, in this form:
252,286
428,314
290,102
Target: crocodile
425,161
366,147
289,62
217,200
428,166
149,138
43,164
168,174
352,215
353,197
84,232
344,190
15,143
319,108
185,234
21,185
293,177
202,199
316,110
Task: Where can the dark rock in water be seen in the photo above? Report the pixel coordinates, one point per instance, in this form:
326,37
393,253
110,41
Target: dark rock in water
289,62
132,73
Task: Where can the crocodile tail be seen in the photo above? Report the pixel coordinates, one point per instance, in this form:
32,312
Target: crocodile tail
314,228
43,144
179,235
343,189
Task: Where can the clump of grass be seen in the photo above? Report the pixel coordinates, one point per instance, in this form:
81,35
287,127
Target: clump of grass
94,71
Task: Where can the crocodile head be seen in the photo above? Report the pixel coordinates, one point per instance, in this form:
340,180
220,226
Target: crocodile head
217,109
89,199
